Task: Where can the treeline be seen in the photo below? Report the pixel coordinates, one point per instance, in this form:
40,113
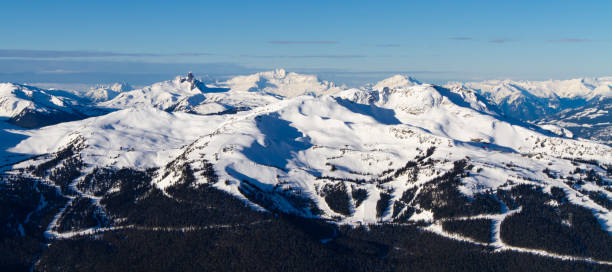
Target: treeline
141,203
337,198
81,214
289,243
27,206
477,229
564,228
442,196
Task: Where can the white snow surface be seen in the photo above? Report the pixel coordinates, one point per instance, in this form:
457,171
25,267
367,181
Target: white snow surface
500,90
188,94
139,137
280,82
395,82
14,98
160,95
106,92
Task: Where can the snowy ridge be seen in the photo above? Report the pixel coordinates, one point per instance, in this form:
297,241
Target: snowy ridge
160,95
14,98
573,88
139,137
573,108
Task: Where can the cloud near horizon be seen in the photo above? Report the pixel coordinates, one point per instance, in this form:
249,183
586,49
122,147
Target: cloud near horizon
307,56
302,42
570,40
499,41
53,54
389,45
461,38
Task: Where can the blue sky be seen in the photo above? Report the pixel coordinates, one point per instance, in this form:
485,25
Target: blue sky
345,41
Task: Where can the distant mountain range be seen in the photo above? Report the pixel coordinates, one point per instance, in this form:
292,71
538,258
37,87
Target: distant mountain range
578,105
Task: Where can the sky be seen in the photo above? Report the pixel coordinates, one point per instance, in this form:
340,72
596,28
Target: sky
351,42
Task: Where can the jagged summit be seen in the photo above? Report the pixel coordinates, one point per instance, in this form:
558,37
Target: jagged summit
121,87
189,78
280,73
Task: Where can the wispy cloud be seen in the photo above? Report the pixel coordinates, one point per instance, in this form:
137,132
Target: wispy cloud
461,38
192,54
302,42
570,40
58,71
95,71
307,56
54,54
499,41
389,45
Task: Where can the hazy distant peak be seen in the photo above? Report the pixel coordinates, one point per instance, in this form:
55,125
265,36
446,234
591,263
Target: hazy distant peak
280,82
397,81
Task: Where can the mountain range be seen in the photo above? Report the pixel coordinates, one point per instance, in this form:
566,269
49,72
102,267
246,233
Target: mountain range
500,171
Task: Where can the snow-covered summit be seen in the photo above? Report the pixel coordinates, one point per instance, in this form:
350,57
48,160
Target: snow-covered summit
32,107
160,95
103,93
137,137
409,95
577,106
586,88
397,81
14,98
189,94
280,82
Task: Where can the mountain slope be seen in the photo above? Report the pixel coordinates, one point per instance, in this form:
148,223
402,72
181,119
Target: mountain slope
576,107
160,95
32,107
593,120
140,137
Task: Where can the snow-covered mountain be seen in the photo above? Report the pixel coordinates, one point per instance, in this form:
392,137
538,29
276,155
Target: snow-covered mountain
103,93
160,95
532,100
280,83
31,107
500,90
592,120
240,93
140,137
401,153
309,143
578,106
